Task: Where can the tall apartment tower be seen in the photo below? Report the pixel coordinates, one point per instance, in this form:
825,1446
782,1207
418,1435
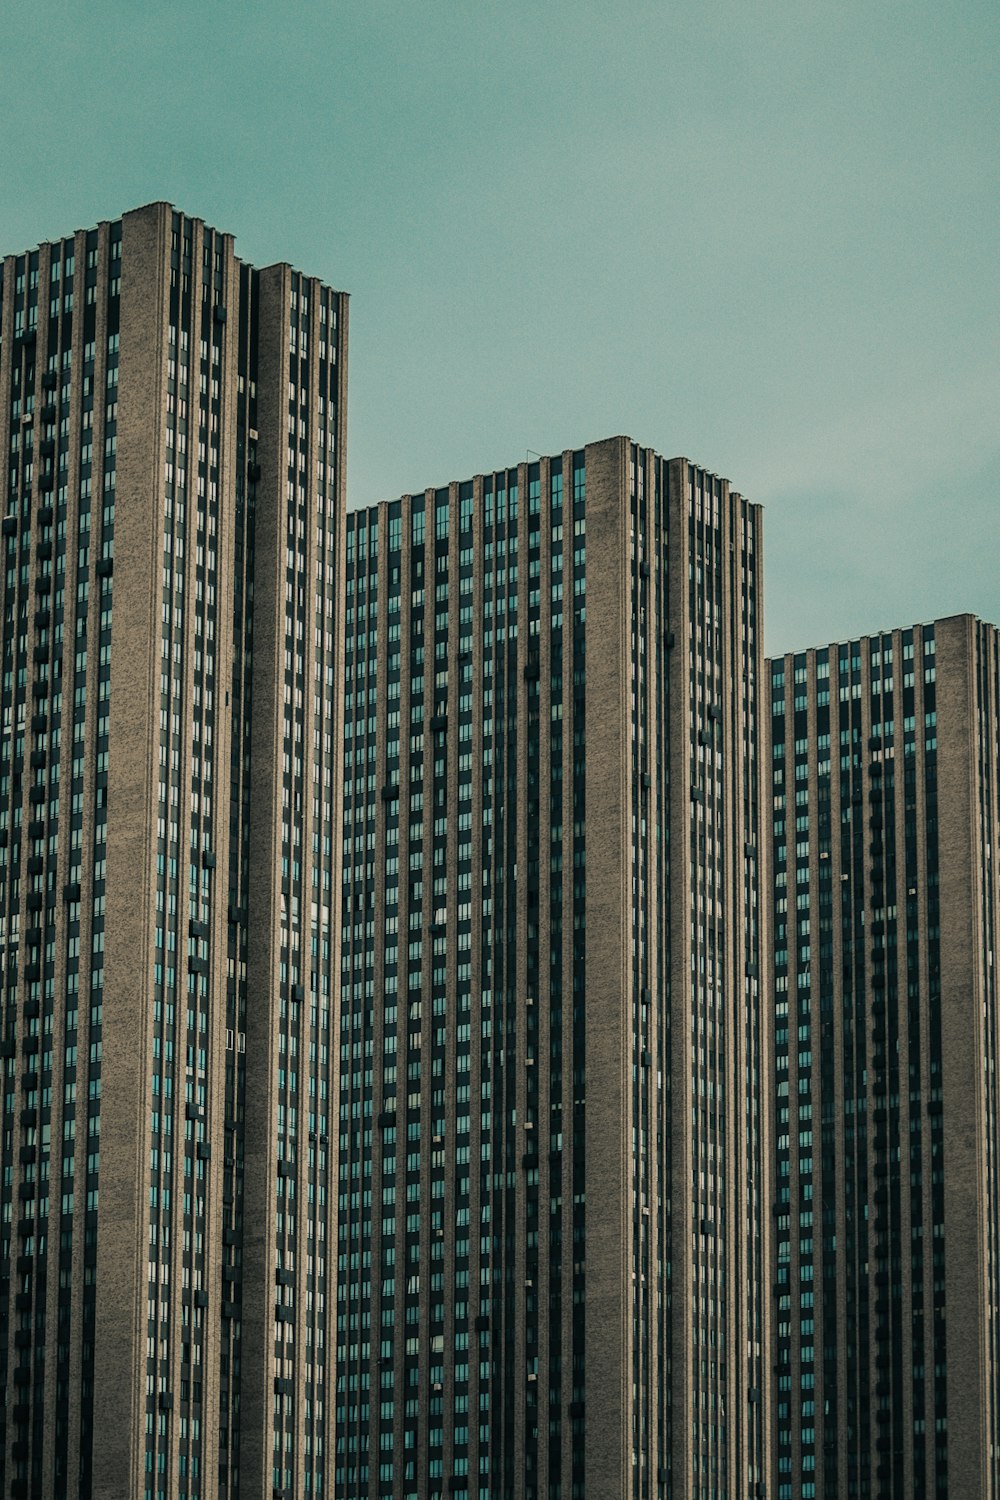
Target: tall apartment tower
886,858
172,422
549,1238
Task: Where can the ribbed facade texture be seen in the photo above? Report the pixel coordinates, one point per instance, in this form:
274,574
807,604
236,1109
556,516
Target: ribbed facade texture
172,534
423,1073
886,850
551,1152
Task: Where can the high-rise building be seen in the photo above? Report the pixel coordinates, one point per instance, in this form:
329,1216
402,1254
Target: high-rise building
172,422
886,908
550,1274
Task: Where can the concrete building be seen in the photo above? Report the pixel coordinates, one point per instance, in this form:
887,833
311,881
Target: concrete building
172,503
886,848
551,1147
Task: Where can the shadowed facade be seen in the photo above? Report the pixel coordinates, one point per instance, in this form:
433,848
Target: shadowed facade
169,860
551,1152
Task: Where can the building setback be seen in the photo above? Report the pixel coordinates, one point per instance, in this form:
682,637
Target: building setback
172,538
550,1274
884,768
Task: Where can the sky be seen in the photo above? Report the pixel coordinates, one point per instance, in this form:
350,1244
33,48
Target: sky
760,234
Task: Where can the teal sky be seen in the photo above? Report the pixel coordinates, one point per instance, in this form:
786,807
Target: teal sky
761,234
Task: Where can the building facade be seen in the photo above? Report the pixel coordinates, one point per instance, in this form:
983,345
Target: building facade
884,778
550,1270
172,504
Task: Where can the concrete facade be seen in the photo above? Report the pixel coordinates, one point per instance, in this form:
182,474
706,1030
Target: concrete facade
551,1151
174,496
884,764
